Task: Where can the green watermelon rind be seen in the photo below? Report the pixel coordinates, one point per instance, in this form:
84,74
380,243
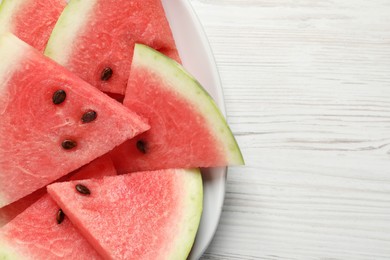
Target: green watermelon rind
183,83
7,252
70,24
193,209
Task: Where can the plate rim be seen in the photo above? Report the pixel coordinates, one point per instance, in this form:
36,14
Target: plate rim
211,82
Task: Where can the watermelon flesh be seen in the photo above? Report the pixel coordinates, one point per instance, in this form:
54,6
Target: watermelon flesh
143,215
41,141
10,211
187,129
97,34
30,20
98,168
35,233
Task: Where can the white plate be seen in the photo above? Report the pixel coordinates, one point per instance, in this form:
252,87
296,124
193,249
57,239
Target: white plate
198,59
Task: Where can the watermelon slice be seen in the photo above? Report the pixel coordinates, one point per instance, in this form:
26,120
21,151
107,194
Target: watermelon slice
51,122
187,128
95,39
30,20
99,167
36,234
143,215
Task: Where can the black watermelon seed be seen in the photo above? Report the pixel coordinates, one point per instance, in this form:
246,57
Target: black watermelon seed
89,116
59,96
68,144
82,189
141,146
106,74
60,216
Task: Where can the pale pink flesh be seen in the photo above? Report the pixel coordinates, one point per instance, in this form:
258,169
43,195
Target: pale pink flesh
132,216
109,42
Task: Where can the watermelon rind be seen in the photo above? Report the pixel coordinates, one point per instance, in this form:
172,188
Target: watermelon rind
9,253
189,89
7,9
193,209
69,25
10,52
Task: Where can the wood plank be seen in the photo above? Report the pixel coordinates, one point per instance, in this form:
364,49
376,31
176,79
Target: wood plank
307,88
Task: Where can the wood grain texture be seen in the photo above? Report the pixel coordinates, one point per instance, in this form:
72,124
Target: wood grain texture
307,89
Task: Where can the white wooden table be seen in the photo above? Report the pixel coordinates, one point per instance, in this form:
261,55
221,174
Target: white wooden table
307,89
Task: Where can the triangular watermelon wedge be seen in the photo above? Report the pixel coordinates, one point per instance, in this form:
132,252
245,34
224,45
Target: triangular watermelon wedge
98,168
95,39
51,122
143,215
187,128
30,20
36,233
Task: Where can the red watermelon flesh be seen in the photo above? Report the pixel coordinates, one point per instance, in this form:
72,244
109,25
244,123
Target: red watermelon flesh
45,238
38,137
143,215
98,168
31,20
187,129
93,35
10,211
35,233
